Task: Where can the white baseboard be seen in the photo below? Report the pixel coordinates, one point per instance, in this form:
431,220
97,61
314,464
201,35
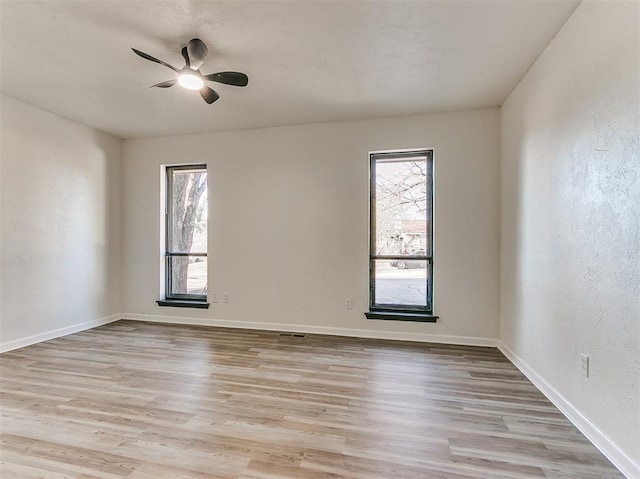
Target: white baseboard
303,328
56,333
618,458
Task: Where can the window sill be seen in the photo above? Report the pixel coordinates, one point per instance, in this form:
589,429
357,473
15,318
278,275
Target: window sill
183,303
402,316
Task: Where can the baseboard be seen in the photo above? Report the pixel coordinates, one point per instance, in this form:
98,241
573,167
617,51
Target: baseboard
618,458
303,328
56,333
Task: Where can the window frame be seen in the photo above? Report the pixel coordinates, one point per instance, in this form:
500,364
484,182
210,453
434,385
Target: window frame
401,311
169,295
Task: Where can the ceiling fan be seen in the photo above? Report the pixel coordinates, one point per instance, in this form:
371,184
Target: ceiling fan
190,76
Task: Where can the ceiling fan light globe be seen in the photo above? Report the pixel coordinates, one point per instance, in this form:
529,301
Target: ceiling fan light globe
190,81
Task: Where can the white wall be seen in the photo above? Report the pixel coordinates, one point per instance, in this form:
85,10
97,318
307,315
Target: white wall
289,223
570,262
59,224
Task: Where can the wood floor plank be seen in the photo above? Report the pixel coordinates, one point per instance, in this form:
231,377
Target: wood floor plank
133,400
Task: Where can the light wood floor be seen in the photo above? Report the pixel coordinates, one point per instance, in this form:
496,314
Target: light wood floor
140,400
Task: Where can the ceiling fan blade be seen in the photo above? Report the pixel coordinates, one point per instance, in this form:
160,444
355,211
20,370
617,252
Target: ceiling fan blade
153,59
228,78
165,84
185,55
208,94
197,51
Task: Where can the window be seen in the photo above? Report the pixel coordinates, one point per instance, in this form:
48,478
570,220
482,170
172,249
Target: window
401,236
186,235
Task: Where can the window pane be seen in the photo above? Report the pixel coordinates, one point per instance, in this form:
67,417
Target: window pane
401,282
188,275
402,230
188,229
403,204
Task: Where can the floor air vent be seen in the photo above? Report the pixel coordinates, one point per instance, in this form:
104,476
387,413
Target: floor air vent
293,335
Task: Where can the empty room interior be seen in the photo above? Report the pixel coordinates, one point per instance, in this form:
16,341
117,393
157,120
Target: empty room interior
320,239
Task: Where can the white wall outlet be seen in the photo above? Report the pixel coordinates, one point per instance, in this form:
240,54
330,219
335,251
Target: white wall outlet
214,297
348,304
584,365
225,297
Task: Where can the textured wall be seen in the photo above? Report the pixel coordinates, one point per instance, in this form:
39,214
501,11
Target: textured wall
570,262
289,211
59,222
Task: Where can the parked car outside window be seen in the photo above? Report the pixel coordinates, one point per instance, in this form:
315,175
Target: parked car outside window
410,263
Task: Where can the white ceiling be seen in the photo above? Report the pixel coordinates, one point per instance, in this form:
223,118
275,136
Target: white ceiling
307,61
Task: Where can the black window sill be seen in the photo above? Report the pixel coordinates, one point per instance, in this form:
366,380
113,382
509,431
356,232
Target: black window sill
402,316
183,303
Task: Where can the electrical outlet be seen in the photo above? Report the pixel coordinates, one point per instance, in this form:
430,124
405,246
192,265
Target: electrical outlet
348,303
225,297
214,297
584,365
